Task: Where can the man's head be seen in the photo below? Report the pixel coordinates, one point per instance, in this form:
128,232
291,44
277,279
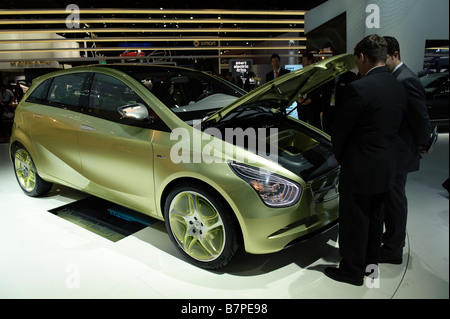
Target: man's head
393,52
275,61
370,52
307,59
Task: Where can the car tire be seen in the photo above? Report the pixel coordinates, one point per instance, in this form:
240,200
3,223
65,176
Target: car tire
200,224
26,174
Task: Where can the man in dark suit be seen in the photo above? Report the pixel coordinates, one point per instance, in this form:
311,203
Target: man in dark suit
332,98
415,133
310,106
277,70
364,136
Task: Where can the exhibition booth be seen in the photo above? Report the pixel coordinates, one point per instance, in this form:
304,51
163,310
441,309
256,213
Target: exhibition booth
66,243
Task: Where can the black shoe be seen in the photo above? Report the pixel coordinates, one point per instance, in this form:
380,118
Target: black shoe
340,275
389,260
446,185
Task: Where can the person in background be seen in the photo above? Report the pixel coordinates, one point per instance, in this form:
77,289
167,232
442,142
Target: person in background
239,81
364,135
6,110
6,83
307,59
277,70
18,92
310,105
6,95
229,77
414,133
247,86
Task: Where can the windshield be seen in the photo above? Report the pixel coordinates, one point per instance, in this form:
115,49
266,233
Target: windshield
191,95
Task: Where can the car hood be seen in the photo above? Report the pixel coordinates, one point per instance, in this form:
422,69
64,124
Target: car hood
290,87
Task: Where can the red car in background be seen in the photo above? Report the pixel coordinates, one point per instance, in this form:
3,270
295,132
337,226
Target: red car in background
136,54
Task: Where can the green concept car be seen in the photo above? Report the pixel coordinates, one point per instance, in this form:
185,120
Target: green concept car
225,169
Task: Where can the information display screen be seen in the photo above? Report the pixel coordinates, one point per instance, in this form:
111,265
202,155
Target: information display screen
242,67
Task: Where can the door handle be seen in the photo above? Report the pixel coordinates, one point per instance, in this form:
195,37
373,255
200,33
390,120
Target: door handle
86,127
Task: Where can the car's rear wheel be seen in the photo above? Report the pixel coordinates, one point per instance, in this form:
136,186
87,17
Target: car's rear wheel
200,224
27,177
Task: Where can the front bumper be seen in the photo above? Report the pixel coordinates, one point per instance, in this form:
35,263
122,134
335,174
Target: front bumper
272,234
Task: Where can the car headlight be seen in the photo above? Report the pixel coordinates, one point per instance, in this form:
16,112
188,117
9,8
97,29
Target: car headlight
274,190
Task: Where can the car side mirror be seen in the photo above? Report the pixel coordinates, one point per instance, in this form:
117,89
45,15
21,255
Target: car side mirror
137,111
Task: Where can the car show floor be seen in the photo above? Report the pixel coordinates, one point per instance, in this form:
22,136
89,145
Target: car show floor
46,256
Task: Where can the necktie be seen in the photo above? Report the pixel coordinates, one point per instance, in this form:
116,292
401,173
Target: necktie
276,74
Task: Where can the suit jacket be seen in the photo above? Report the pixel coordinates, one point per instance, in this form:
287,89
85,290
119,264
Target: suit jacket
270,75
337,87
415,129
365,132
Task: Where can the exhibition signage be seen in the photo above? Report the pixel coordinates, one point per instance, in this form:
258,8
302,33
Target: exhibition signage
241,67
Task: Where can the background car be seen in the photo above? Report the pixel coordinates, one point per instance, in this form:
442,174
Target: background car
437,94
130,53
224,169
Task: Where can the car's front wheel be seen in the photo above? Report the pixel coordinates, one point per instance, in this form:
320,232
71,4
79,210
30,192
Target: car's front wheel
27,177
200,224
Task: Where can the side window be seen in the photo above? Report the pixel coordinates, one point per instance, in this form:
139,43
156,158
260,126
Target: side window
65,90
40,93
107,95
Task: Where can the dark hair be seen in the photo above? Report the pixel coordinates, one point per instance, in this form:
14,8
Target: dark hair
392,45
275,56
373,47
309,56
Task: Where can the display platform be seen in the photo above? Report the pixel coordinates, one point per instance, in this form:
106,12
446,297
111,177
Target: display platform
103,218
46,256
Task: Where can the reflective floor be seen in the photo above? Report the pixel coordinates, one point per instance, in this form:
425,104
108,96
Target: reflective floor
44,256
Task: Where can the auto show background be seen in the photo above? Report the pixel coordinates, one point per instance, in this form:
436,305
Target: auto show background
412,22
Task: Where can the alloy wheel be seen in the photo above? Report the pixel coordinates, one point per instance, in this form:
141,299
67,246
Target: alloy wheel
25,171
197,226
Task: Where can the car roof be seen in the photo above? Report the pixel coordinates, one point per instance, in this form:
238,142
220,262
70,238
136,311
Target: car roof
436,75
127,68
